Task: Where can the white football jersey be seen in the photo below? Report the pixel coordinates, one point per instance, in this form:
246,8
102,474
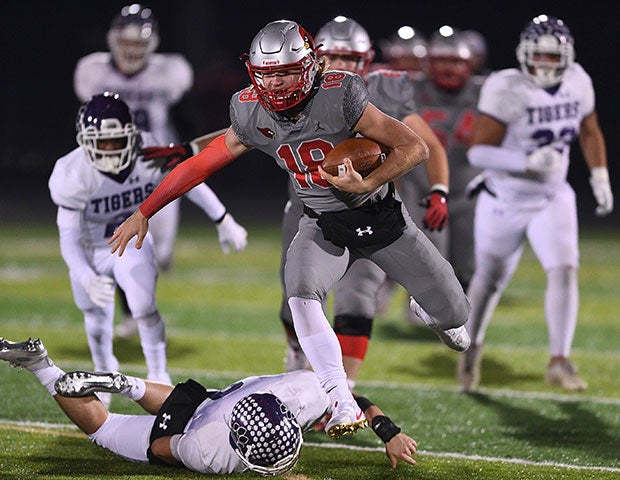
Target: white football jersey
204,446
75,184
149,93
535,117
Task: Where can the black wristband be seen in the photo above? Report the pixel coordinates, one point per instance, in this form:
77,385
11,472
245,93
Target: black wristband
384,427
219,220
363,402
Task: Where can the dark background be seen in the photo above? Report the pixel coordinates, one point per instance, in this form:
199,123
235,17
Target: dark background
42,41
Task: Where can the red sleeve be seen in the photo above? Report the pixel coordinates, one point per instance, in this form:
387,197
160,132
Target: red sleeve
187,175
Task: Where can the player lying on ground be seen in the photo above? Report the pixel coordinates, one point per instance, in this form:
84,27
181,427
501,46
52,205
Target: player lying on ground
205,430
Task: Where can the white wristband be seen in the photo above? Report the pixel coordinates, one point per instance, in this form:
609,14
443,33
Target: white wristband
439,187
599,174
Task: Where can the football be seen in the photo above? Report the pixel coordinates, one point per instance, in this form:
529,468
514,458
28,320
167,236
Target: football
365,155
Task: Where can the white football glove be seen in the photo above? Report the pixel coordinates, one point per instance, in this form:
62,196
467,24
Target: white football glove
545,159
231,235
100,289
599,181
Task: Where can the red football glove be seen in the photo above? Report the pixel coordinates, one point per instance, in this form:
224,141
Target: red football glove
436,217
166,158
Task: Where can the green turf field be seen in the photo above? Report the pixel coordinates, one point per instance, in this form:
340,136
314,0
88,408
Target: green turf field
222,323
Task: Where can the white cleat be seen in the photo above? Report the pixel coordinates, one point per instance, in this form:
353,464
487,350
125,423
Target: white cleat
82,384
29,354
455,338
468,368
564,374
347,418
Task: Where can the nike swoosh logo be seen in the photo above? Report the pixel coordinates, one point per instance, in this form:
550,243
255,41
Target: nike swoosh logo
359,415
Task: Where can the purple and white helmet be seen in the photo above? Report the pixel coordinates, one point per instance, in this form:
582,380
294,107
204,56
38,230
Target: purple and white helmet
132,37
280,46
265,434
344,36
545,35
106,117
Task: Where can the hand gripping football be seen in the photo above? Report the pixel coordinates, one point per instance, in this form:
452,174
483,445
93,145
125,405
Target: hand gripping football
365,155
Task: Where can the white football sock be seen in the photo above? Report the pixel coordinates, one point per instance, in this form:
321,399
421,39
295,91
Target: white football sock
561,306
47,373
153,341
320,344
99,333
135,389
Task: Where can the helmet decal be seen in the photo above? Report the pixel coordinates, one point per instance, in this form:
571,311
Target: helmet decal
265,434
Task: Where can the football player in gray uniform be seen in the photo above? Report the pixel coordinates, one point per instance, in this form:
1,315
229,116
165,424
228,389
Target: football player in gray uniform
528,119
345,45
296,112
447,98
96,186
152,84
253,424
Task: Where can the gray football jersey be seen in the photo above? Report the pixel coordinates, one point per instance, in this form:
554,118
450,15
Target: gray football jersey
299,147
391,91
451,116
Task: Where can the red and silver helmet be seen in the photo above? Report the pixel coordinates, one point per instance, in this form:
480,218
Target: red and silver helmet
344,36
280,46
265,434
405,50
449,58
545,36
107,117
132,37
478,46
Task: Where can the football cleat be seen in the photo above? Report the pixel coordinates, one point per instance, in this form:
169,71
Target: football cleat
347,418
468,368
26,354
455,338
564,374
82,384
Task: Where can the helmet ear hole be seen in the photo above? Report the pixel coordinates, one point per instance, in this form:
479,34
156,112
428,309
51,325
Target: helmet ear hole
107,133
265,434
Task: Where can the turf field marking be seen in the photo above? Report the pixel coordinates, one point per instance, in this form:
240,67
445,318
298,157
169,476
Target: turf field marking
460,456
44,428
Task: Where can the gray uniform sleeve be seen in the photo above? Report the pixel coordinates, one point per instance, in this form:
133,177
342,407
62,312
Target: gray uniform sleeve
356,98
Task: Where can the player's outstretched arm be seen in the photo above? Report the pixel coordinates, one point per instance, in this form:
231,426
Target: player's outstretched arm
398,445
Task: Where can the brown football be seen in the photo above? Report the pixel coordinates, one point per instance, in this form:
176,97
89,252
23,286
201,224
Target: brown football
365,155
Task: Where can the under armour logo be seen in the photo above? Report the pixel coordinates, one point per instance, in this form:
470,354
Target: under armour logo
361,232
318,127
268,132
134,179
166,418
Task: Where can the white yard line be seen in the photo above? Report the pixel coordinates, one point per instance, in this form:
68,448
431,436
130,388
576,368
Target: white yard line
469,457
53,429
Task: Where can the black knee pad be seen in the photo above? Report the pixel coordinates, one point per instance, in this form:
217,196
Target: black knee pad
353,325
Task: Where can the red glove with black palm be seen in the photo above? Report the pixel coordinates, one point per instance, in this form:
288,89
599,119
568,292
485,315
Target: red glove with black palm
166,158
436,203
